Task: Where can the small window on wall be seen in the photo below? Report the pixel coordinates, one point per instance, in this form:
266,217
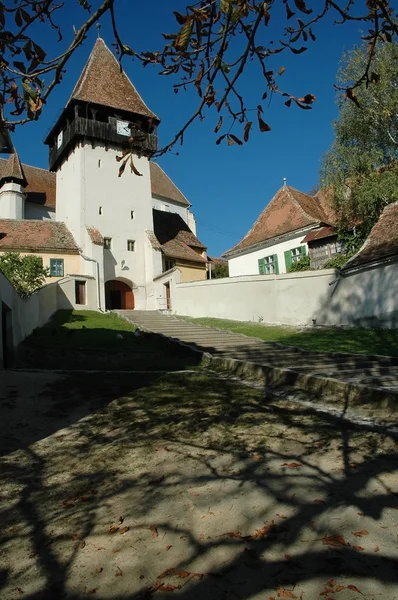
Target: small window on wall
107,243
131,214
80,292
294,255
56,267
130,245
100,210
268,265
169,264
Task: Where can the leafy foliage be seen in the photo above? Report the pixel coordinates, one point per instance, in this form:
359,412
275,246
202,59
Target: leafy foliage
219,270
362,164
336,262
300,265
26,273
210,49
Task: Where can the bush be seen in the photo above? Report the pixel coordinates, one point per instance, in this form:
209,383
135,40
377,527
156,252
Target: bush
26,273
337,261
219,270
301,265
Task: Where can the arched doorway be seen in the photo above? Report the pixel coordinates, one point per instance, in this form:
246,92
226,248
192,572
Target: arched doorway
118,295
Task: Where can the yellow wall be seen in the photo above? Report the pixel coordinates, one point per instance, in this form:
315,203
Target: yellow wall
71,261
192,271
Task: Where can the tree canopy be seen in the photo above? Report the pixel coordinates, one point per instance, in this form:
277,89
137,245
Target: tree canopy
26,273
362,164
210,48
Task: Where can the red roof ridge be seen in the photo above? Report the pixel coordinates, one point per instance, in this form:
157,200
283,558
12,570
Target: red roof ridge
291,189
86,87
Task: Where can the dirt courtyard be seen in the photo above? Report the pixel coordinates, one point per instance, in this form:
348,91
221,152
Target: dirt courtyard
188,485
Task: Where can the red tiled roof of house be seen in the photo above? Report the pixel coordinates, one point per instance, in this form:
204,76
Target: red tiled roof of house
41,188
288,211
102,82
175,237
382,241
40,236
319,234
13,169
161,185
95,236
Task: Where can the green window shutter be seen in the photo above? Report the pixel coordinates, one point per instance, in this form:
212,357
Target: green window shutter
261,266
288,260
276,265
303,250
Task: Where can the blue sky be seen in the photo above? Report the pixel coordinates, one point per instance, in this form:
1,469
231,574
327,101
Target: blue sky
227,186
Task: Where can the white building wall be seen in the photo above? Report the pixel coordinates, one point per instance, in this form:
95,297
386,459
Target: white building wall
368,298
38,212
247,264
168,205
12,201
90,193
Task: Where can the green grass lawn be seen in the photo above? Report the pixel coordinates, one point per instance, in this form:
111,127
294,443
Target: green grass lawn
84,329
352,341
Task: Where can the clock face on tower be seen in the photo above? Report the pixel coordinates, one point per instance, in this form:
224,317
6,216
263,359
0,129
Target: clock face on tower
123,128
60,139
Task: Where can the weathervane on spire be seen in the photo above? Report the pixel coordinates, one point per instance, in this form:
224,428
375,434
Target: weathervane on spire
98,26
284,182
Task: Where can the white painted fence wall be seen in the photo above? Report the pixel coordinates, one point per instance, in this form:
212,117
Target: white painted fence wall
365,298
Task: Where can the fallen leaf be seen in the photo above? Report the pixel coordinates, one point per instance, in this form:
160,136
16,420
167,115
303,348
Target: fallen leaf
118,572
76,537
287,556
99,569
281,516
292,465
334,540
234,534
331,583
176,572
376,549
154,531
116,550
361,514
261,533
256,456
354,588
212,514
113,529
340,588
319,501
359,549
83,544
284,593
168,547
168,587
101,548
360,533
124,530
121,519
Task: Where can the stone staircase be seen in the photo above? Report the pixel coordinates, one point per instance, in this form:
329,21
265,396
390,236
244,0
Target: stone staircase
372,372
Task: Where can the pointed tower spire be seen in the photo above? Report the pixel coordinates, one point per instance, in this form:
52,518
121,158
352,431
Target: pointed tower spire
102,82
13,171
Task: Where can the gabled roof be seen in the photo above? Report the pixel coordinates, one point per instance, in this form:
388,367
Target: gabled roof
289,210
175,237
13,170
102,82
382,242
319,234
41,187
36,235
95,236
162,185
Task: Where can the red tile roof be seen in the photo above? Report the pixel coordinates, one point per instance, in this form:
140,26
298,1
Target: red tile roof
102,82
382,242
13,169
162,185
175,237
40,236
41,188
288,211
95,236
319,234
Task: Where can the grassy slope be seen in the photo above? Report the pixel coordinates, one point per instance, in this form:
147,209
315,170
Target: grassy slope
84,329
352,341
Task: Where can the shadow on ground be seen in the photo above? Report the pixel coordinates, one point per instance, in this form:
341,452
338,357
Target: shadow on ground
241,494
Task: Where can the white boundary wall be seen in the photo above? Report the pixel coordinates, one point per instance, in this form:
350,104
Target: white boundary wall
364,298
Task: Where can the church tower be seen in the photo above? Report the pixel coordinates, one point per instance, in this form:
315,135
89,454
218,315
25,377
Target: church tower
12,184
102,114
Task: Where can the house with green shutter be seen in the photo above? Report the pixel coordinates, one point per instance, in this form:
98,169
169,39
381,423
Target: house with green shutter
283,233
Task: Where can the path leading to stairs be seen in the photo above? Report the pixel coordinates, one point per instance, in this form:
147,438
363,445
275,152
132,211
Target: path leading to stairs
371,371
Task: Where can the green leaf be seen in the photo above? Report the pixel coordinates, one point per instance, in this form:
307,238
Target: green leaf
183,38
